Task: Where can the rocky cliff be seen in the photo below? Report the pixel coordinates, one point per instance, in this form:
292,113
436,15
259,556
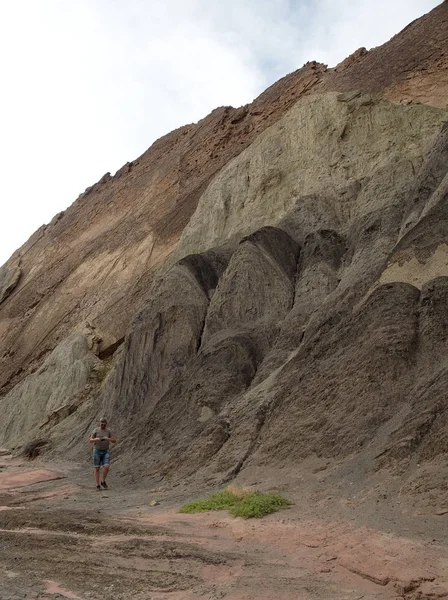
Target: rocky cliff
263,287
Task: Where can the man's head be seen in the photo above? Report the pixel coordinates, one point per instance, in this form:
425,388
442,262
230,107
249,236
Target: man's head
103,422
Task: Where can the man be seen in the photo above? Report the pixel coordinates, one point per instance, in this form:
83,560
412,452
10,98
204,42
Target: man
100,438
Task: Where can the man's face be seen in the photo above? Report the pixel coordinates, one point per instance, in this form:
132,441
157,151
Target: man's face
103,424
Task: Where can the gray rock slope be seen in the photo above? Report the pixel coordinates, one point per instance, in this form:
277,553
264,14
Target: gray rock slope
304,312
49,394
313,313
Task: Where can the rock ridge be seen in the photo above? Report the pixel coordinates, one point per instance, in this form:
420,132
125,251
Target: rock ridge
263,288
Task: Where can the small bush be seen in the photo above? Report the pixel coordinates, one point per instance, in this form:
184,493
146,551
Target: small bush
258,505
241,502
219,501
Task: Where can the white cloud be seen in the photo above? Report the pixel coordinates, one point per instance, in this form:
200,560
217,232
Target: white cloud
88,85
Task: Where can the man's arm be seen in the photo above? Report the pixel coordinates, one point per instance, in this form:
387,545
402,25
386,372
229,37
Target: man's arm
94,439
111,438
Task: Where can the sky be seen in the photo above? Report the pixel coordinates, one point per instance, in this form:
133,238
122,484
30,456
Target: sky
88,85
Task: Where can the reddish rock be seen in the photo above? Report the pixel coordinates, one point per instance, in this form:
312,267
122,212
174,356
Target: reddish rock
95,260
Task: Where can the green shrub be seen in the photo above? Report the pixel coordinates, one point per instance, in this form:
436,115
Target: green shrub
219,501
257,505
240,503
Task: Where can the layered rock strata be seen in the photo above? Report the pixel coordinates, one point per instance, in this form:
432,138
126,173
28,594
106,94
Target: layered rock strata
265,286
94,262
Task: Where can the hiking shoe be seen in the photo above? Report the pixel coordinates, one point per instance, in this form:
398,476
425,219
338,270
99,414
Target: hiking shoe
104,484
98,487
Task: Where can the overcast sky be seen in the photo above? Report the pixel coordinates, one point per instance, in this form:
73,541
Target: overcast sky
87,85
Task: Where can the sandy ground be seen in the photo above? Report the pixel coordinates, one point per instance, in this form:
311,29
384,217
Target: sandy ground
60,538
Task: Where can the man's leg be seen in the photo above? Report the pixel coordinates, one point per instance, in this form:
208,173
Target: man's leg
106,467
96,465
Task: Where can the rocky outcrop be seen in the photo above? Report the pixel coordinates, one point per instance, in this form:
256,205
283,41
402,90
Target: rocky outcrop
47,393
335,161
9,278
95,261
411,67
421,251
297,347
266,286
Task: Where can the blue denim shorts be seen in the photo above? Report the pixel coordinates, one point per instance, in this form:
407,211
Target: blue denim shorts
101,457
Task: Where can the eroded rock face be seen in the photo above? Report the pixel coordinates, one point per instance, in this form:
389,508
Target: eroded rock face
421,251
407,68
95,261
53,387
257,287
278,273
298,347
333,162
9,278
201,339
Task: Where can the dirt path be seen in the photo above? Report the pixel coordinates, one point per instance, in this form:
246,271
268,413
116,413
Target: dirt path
59,538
